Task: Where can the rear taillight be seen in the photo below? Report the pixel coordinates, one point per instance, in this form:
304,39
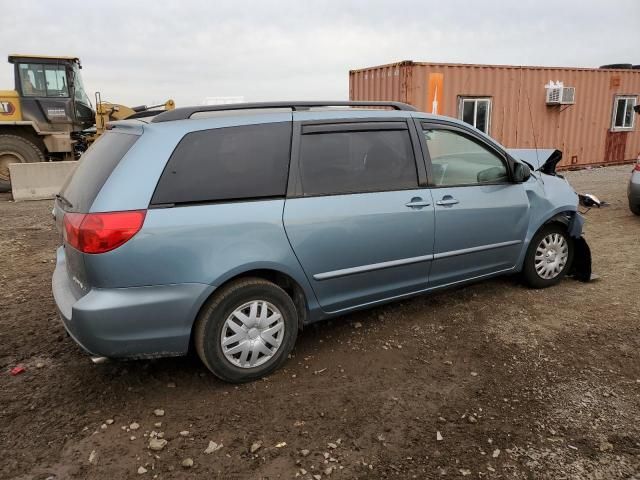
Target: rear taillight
101,232
636,168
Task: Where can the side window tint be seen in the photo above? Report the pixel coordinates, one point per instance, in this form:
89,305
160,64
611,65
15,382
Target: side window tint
458,160
94,168
355,162
231,163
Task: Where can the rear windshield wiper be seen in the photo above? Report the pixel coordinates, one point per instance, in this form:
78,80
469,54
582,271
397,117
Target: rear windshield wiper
64,200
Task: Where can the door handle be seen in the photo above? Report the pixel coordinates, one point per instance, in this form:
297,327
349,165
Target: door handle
417,202
447,200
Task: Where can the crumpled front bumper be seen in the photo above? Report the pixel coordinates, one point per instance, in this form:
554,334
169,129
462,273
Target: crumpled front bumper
581,265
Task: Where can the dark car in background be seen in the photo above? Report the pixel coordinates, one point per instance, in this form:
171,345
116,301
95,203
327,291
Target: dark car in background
633,190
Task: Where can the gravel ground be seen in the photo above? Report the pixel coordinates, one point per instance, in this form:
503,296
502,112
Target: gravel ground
493,380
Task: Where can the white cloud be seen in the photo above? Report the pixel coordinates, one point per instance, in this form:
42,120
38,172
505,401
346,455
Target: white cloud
147,51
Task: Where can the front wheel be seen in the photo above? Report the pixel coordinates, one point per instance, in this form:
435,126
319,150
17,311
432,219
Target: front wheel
549,257
246,330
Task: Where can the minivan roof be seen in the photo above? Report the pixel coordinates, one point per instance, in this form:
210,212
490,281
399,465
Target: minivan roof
184,113
268,112
221,116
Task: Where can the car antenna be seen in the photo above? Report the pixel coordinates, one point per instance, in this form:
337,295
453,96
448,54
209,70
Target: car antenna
533,129
535,141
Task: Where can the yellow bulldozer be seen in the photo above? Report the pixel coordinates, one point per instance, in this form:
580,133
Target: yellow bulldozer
48,116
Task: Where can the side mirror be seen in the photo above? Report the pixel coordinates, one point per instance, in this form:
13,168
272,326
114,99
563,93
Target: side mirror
521,172
493,175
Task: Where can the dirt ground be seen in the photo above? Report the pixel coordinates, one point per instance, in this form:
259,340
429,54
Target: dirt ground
492,380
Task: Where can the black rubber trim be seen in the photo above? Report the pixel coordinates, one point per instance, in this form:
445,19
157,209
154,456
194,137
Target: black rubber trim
353,127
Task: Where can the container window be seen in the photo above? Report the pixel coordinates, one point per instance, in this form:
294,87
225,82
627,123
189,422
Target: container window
476,112
458,160
356,162
623,116
233,163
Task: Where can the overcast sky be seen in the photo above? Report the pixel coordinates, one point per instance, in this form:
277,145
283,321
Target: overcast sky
137,52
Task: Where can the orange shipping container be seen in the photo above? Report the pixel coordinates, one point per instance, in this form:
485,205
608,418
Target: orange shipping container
510,103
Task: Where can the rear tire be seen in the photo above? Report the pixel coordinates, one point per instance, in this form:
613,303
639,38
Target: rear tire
246,330
635,209
549,257
15,149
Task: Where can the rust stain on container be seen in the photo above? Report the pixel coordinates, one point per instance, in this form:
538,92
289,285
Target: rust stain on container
520,117
435,102
615,147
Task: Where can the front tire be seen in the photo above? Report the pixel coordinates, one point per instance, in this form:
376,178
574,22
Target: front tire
15,149
246,330
635,209
549,257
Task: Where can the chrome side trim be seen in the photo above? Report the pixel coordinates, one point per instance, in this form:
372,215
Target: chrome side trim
464,251
368,268
406,261
419,292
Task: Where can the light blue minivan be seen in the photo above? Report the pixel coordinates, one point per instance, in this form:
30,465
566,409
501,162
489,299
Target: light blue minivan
229,228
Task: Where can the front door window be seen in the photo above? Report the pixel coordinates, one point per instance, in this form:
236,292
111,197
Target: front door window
457,160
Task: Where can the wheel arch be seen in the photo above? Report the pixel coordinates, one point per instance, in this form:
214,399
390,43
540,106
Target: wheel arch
284,281
303,298
562,218
567,217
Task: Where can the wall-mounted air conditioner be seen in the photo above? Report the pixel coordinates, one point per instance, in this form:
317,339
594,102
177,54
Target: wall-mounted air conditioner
558,94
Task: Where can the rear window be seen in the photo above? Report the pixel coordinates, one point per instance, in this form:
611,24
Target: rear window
232,163
94,167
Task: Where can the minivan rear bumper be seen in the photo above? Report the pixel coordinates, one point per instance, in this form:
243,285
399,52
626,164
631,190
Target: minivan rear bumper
133,322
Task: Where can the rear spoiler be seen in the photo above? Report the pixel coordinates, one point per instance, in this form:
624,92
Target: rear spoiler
542,159
132,127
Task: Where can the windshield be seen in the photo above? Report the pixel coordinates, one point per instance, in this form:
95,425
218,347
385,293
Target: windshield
80,94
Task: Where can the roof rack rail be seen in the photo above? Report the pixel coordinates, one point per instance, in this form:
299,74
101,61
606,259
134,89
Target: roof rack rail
184,113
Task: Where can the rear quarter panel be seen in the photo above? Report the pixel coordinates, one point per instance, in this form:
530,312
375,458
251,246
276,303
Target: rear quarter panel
199,243
206,244
203,244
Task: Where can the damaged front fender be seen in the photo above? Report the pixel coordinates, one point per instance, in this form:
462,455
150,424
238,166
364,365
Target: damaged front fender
575,225
552,193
